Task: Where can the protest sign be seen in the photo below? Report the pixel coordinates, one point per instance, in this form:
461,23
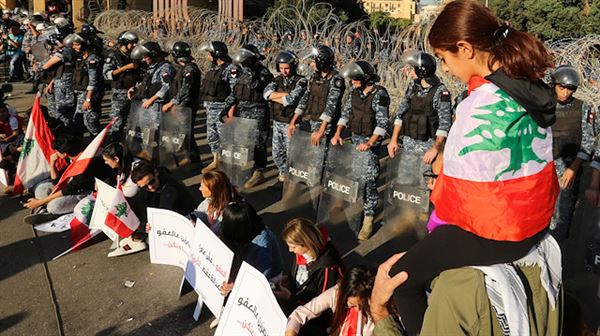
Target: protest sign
170,237
208,267
3,174
104,199
251,308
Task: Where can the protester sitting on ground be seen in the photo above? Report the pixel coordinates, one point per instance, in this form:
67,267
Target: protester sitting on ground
246,235
163,190
349,301
501,208
11,137
49,205
317,264
217,192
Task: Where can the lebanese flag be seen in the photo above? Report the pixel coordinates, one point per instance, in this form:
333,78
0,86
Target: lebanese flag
79,165
34,162
121,218
498,179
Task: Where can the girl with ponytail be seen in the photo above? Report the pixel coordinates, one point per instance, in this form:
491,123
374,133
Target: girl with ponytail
497,188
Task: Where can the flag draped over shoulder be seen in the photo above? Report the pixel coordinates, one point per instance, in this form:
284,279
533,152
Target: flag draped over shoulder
34,162
121,218
498,178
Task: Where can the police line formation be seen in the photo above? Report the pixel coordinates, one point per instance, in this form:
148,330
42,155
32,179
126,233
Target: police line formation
332,81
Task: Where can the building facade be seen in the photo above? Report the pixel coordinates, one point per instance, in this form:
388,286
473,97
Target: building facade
399,9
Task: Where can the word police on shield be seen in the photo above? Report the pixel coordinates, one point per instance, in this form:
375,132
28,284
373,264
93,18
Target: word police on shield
342,187
236,155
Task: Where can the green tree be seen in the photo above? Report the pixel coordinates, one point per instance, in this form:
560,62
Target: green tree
383,20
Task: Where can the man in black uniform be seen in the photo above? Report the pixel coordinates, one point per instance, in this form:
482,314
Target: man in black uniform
185,89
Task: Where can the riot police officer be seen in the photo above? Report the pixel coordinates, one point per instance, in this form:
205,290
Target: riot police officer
246,101
153,89
365,113
61,86
321,104
123,73
88,84
53,45
218,83
184,89
284,94
425,113
573,141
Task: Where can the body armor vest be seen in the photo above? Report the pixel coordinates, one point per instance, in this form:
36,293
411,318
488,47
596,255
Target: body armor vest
317,100
214,88
421,121
244,92
362,119
80,75
566,131
127,79
177,83
149,89
284,113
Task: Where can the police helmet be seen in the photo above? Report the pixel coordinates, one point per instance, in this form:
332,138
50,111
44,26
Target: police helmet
54,39
127,37
360,70
61,22
324,57
423,63
287,57
217,49
87,28
181,50
567,76
75,38
150,49
247,55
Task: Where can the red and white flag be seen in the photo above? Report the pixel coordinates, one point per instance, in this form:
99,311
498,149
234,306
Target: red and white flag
121,219
34,162
79,165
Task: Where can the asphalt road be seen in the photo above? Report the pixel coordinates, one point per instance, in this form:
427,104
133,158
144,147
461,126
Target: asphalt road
83,293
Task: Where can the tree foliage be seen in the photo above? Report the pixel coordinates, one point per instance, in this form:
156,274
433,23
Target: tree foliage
550,19
382,20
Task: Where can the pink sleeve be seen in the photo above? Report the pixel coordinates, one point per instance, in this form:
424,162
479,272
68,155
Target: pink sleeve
313,309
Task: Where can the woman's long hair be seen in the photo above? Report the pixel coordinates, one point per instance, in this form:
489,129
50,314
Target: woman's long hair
117,150
221,189
303,232
520,54
357,281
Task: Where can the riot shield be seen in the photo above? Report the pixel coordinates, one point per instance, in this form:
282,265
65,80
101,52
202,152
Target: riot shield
406,200
141,131
305,169
343,187
238,139
39,51
591,233
175,137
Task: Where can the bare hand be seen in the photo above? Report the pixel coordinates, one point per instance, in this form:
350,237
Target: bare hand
226,288
384,286
592,195
49,89
33,203
148,228
53,158
315,138
363,147
148,103
430,155
392,148
167,107
566,181
337,140
87,105
291,130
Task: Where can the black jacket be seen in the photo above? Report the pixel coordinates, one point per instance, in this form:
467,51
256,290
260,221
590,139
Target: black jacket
323,274
85,182
172,194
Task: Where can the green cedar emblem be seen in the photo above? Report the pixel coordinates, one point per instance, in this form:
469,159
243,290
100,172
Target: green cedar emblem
27,146
506,126
121,209
86,210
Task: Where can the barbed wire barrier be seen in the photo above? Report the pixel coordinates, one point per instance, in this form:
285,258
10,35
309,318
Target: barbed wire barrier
311,25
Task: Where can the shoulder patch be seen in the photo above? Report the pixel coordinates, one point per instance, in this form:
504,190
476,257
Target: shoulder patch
108,60
384,101
187,74
445,96
591,117
165,74
233,72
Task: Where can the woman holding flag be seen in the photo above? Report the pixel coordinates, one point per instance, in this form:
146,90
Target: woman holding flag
498,186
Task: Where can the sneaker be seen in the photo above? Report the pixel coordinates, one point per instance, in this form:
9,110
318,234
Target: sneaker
256,179
39,218
128,246
212,166
214,323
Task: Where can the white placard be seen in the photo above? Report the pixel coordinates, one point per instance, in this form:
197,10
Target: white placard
3,174
170,237
208,267
251,308
104,198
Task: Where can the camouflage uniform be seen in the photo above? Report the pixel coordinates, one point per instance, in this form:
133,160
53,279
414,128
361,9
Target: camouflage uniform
184,89
362,132
155,82
120,103
88,77
567,198
64,97
248,95
442,104
295,85
224,77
